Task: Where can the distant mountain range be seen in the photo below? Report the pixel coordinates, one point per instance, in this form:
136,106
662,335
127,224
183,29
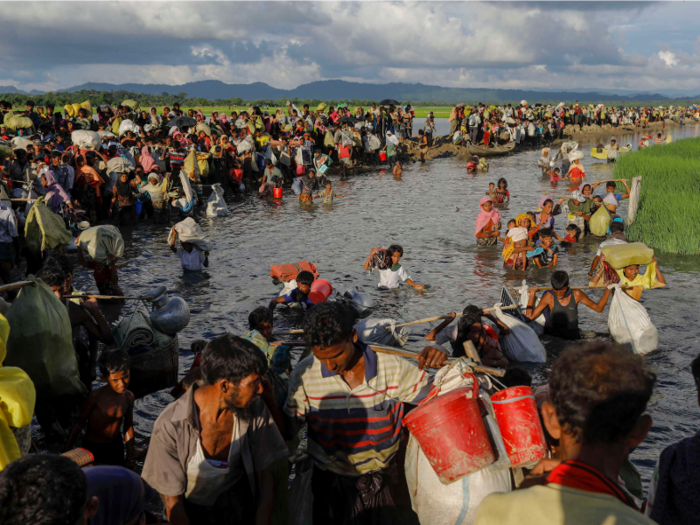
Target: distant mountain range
342,90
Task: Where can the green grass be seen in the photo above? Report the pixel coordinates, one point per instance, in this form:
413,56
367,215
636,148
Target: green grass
668,217
421,112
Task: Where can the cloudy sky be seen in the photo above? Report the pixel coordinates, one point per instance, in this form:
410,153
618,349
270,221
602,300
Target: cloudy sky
556,45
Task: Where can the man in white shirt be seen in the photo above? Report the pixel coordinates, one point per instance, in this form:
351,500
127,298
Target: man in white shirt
191,258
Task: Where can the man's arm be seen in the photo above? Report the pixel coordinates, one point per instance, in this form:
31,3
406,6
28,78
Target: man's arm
598,307
129,426
98,328
266,492
80,422
533,312
432,335
175,509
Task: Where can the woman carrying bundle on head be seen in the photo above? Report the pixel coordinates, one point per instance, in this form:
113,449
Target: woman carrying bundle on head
488,223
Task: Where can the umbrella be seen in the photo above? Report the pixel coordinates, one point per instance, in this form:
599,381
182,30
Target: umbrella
538,105
460,105
182,121
389,102
349,120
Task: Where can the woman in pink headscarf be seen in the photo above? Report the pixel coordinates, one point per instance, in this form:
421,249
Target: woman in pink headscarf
488,222
146,160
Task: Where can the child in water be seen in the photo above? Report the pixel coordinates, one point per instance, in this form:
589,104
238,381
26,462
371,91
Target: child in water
545,255
492,191
328,194
391,277
514,252
502,193
192,258
299,295
105,410
554,176
573,233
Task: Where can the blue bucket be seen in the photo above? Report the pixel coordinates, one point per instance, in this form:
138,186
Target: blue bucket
139,206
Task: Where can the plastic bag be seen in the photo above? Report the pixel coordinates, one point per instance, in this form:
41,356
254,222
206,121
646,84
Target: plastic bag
86,139
246,144
41,341
301,497
101,241
600,221
131,104
119,165
297,186
216,206
381,331
201,126
522,343
630,325
203,163
44,229
191,166
620,255
189,231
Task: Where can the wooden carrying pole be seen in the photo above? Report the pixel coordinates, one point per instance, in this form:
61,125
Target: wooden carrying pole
438,318
414,355
14,286
90,296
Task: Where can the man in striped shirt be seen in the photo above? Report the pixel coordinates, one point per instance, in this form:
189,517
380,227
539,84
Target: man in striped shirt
177,157
353,402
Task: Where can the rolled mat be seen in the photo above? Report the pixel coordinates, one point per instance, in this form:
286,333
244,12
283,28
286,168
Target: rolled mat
133,330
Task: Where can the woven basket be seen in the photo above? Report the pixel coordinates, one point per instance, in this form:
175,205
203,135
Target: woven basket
80,456
155,370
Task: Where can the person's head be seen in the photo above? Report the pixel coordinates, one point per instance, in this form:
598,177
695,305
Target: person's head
54,278
304,281
469,328
45,489
187,246
546,237
329,329
487,205
523,220
328,185
261,320
573,231
511,224
234,368
586,190
115,369
560,283
599,393
124,177
396,251
268,164
617,227
55,158
610,187
492,186
502,184
547,206
61,260
516,376
631,271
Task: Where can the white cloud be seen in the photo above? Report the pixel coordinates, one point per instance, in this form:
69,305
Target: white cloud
669,58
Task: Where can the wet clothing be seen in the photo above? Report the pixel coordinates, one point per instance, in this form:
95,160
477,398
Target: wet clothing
295,296
562,321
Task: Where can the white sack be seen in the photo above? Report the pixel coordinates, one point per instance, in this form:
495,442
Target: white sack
86,139
375,331
189,231
128,125
538,324
630,325
101,241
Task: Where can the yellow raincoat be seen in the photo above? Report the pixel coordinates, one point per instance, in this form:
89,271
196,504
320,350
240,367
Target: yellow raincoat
17,398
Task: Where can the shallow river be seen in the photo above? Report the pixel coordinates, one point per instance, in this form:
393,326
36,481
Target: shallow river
431,212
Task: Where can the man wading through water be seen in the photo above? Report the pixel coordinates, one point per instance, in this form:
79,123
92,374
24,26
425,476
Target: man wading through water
353,402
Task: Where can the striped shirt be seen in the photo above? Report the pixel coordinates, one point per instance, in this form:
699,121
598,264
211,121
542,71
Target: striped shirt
354,431
177,159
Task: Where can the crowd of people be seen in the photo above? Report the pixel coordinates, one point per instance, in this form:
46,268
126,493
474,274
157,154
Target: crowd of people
221,450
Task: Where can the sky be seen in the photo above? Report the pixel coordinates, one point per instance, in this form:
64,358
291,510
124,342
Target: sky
649,46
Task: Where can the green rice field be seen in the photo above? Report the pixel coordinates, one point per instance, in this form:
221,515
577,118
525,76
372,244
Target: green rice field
668,217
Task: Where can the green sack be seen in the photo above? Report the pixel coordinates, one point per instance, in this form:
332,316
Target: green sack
115,125
41,341
620,255
600,221
131,104
44,229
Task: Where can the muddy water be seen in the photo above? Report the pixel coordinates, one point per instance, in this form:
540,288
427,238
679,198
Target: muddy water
431,211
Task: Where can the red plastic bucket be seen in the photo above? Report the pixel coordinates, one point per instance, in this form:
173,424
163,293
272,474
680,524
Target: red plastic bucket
320,291
382,157
519,421
451,433
277,193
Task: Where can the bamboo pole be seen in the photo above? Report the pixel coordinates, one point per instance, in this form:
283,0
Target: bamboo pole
414,355
15,286
86,296
291,332
431,319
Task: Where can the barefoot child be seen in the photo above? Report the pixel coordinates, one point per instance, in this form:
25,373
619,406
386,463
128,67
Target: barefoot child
514,251
545,255
492,191
398,170
502,193
573,233
107,410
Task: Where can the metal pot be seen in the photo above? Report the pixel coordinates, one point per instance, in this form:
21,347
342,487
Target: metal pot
169,314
